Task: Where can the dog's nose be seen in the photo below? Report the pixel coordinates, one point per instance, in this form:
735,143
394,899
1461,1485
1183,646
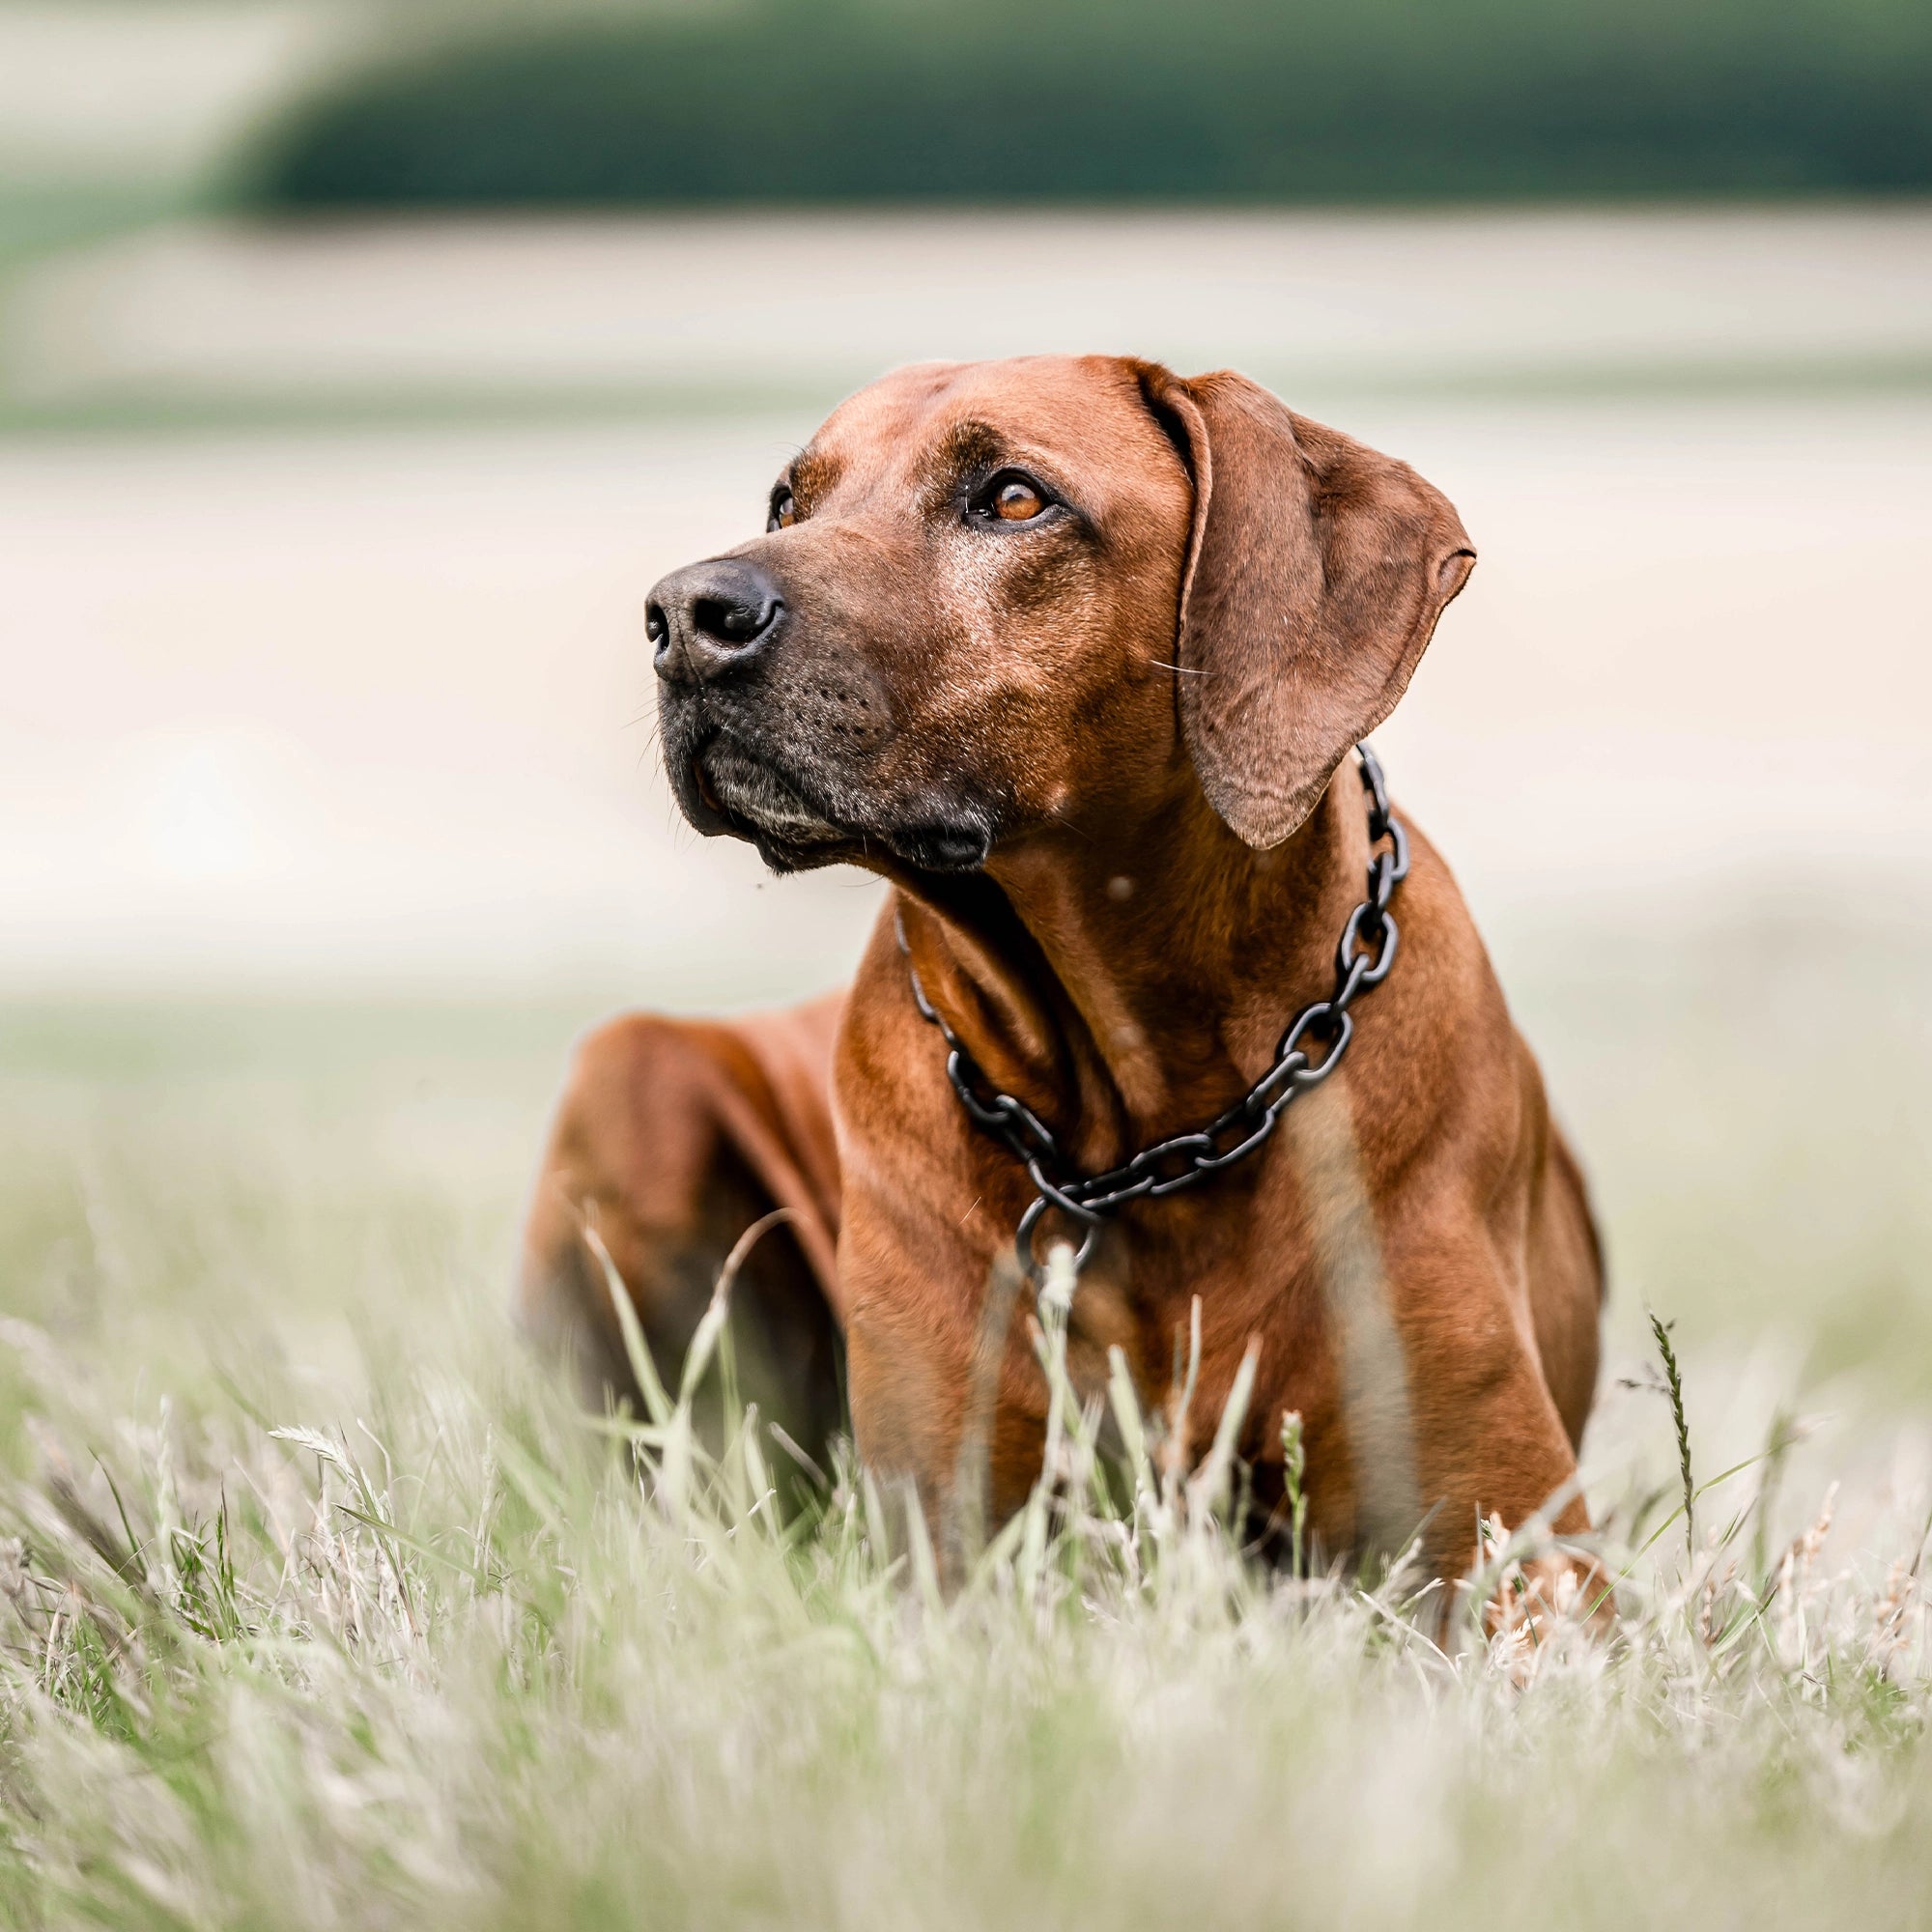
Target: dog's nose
710,618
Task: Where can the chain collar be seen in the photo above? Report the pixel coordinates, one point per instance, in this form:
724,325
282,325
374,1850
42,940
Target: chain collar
1362,959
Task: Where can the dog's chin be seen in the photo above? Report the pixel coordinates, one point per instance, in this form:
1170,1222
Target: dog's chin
727,790
744,797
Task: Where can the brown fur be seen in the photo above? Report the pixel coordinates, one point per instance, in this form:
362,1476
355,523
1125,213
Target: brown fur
1145,704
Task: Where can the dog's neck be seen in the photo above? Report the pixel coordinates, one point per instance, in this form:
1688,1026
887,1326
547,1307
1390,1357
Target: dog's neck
1132,980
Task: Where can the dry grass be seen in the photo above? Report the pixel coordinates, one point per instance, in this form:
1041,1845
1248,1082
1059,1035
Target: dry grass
321,1606
456,1658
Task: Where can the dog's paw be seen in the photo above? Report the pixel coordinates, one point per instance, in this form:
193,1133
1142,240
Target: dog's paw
1542,1604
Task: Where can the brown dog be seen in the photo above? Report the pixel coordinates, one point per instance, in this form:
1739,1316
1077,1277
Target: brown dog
1074,651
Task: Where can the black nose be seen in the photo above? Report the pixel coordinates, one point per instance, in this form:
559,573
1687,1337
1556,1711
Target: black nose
710,618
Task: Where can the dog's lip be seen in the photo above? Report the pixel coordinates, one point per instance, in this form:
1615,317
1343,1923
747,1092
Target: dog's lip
925,846
697,794
732,816
701,781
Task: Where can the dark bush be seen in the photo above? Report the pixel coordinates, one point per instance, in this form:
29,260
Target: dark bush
1074,99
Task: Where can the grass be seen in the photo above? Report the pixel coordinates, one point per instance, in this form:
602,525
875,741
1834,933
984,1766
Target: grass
38,218
151,409
321,1606
449,1657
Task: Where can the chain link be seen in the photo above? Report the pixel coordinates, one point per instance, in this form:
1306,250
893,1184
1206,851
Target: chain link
1363,958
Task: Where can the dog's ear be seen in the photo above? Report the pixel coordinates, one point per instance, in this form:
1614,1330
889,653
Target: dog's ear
1315,572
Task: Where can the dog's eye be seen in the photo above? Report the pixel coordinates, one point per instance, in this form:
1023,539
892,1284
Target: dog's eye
785,510
1011,497
1017,503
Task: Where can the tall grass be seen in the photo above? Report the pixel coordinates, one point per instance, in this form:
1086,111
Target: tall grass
446,1650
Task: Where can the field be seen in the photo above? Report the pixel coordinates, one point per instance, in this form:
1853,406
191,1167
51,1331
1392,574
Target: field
323,1607
326,825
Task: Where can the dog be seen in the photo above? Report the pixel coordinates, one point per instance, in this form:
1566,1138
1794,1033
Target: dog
1074,652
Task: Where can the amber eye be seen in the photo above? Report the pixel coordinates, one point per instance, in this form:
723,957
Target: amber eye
1011,497
1016,503
785,510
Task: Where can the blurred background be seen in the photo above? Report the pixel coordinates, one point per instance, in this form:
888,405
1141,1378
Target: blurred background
362,366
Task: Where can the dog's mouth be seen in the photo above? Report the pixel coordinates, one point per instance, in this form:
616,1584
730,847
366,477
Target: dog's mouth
750,796
726,787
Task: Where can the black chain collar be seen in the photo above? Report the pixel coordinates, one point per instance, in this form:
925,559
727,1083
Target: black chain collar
1362,959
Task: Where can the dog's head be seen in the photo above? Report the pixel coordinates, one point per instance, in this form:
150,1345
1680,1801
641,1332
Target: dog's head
997,599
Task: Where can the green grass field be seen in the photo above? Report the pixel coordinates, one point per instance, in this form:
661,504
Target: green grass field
320,1605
